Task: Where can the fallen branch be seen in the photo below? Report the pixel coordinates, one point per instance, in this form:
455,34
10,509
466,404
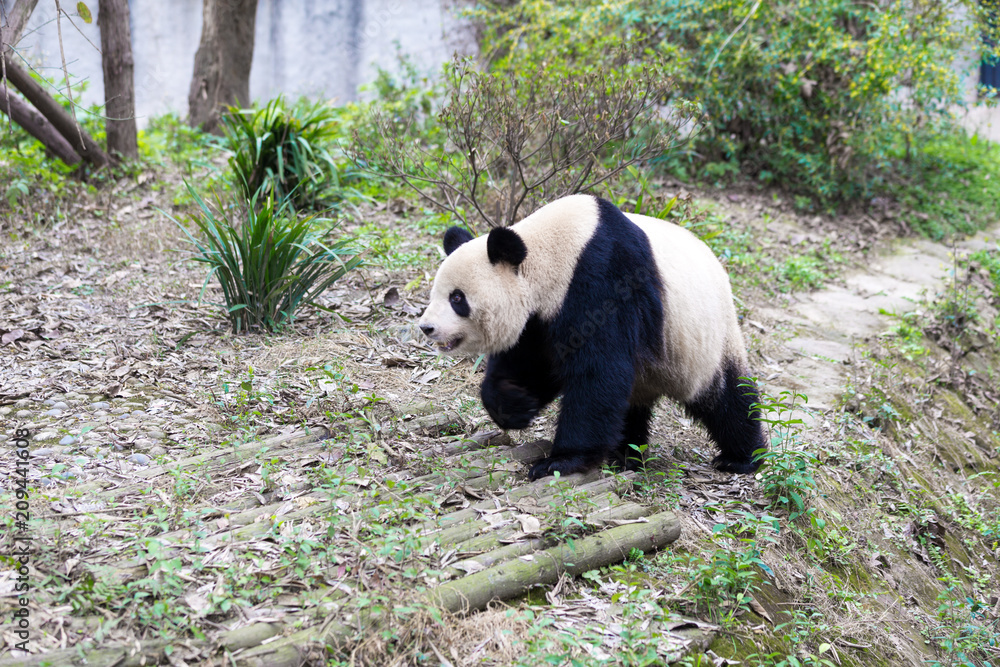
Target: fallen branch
474,592
514,578
37,126
61,120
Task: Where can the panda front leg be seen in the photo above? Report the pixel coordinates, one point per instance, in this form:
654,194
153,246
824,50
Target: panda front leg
513,400
591,421
520,382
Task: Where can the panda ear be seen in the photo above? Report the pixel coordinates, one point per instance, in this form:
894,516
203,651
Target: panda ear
504,245
454,237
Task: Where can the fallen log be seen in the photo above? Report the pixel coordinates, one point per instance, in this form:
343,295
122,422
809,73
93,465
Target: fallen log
474,592
60,119
503,581
37,126
514,578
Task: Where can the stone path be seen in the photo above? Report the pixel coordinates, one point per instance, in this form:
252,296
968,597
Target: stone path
827,323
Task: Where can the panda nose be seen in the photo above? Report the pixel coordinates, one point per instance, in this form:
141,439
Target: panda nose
428,329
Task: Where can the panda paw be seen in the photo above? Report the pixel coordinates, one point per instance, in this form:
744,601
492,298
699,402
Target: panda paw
562,465
509,405
739,466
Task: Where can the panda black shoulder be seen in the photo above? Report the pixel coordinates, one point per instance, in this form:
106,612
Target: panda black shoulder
615,294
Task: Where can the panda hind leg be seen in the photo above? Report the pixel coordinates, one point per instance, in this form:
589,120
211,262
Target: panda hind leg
631,453
726,411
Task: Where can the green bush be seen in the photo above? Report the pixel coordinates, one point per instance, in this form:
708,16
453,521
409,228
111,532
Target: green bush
831,99
538,124
284,151
267,260
953,186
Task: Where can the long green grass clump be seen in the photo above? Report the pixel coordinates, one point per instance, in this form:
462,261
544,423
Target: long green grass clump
268,260
284,151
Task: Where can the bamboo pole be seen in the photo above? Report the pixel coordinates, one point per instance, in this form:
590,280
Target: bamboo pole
505,581
476,591
515,577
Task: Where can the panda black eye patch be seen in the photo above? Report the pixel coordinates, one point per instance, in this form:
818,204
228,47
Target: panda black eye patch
459,303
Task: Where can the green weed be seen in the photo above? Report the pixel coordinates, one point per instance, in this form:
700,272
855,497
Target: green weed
799,633
268,261
965,632
785,476
169,138
283,151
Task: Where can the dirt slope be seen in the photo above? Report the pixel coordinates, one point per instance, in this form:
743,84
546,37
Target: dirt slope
148,421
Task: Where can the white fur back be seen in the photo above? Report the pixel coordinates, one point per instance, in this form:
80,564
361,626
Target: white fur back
700,327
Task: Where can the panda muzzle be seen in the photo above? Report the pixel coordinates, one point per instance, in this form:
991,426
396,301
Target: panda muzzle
448,346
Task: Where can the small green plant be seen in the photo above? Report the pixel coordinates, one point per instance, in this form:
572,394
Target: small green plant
827,543
799,633
955,308
966,633
282,151
786,474
908,335
722,582
801,273
268,261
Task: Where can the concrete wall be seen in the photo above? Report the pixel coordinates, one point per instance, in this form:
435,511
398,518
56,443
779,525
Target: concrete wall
317,48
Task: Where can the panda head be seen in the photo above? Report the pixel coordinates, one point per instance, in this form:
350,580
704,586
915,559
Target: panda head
479,302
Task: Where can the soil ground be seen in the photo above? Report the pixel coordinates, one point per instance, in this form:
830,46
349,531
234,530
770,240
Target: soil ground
152,429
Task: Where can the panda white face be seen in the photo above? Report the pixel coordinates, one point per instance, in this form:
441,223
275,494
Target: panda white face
478,303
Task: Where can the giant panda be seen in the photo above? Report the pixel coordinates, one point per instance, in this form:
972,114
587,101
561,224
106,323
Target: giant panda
609,310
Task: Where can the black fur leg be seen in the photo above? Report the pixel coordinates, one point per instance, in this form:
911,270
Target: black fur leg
564,465
726,413
510,405
636,433
520,382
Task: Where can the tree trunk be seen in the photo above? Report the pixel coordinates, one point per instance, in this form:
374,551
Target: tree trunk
67,126
222,63
17,18
119,91
35,124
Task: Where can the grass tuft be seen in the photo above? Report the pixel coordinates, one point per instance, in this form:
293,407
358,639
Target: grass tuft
282,151
268,260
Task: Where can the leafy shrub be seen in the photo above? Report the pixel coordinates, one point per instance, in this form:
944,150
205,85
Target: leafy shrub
551,117
267,260
828,99
283,151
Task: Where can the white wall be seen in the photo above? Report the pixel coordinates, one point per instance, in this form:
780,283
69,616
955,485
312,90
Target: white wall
317,48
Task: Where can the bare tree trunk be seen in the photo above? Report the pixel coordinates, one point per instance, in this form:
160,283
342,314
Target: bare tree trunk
35,124
222,63
16,20
119,90
67,126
